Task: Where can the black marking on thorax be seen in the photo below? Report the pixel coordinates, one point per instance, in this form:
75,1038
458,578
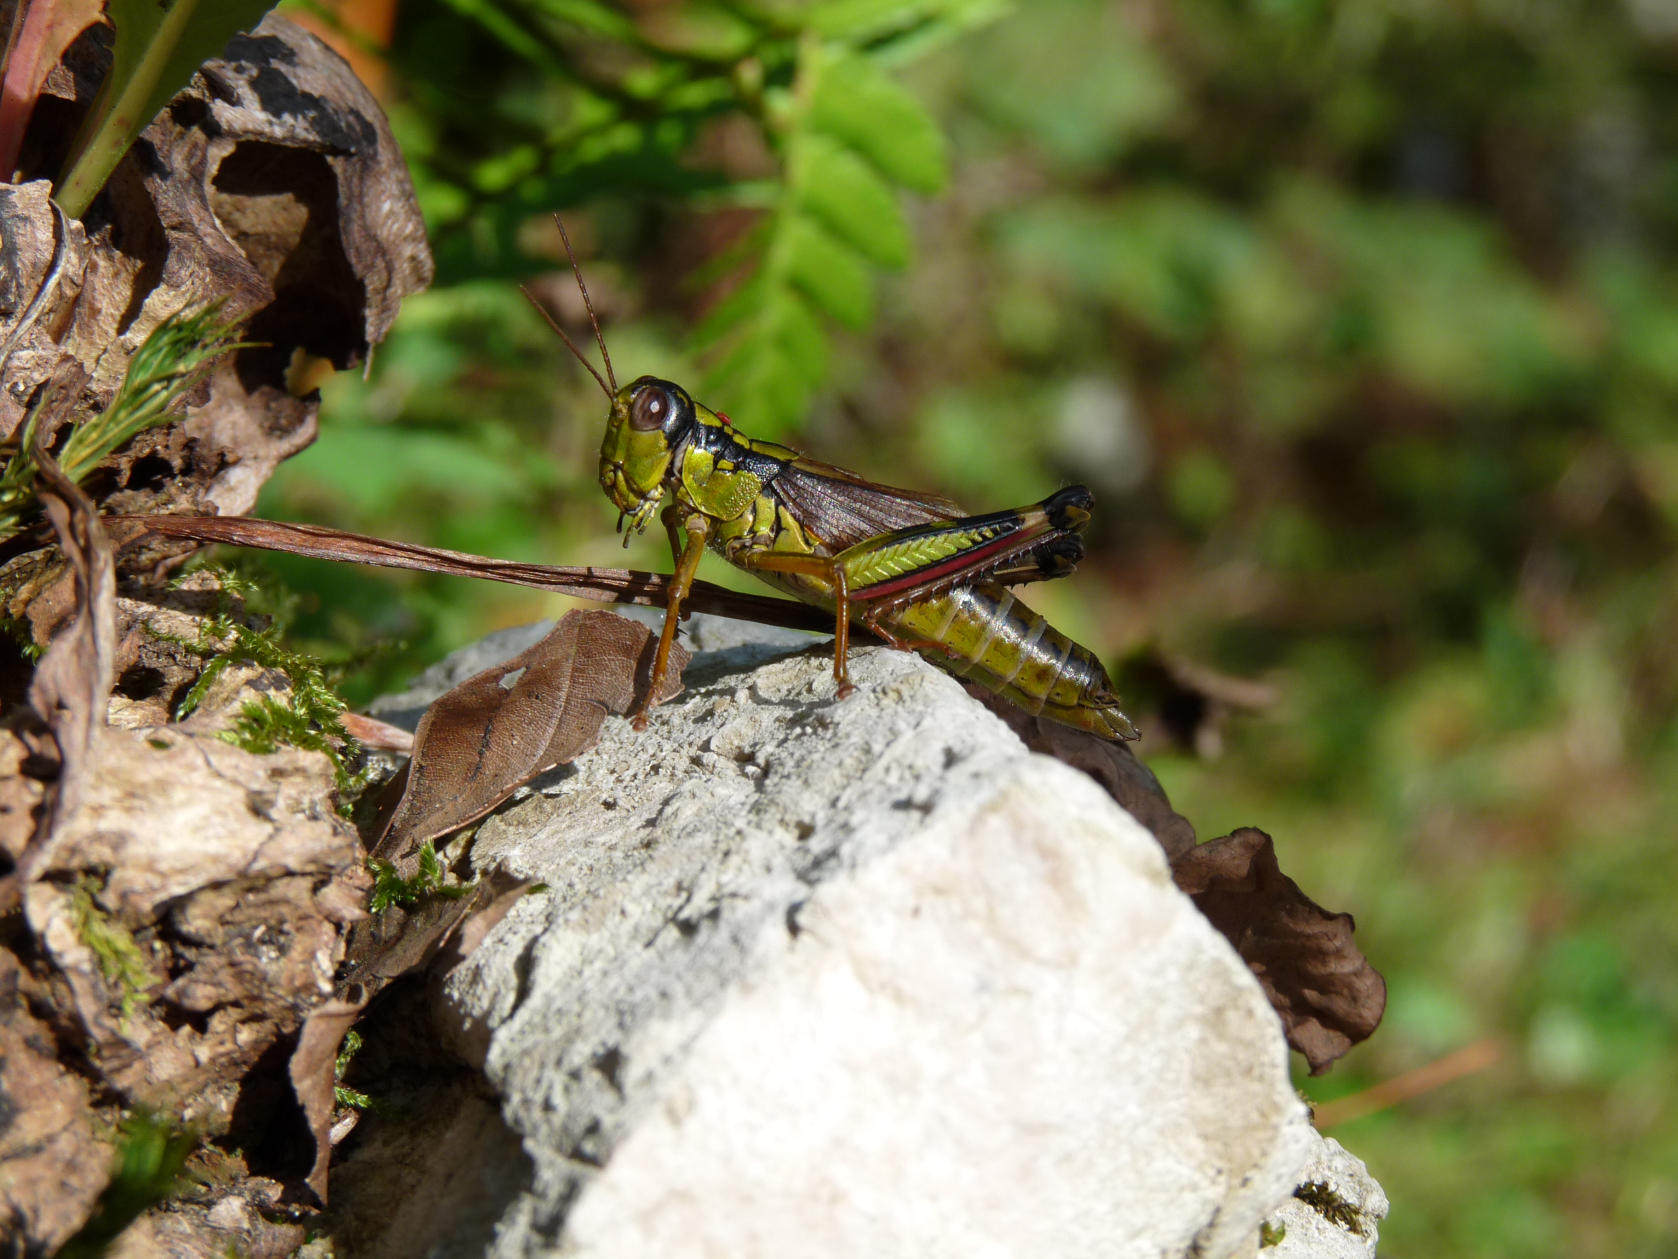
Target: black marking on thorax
721,444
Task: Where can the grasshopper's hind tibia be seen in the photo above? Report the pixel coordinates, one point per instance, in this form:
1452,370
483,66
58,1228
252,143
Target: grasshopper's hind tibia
823,569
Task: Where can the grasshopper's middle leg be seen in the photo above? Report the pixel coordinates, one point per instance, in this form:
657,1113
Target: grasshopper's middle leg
696,529
824,568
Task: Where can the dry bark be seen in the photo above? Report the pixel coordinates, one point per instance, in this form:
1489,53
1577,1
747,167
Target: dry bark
180,904
271,184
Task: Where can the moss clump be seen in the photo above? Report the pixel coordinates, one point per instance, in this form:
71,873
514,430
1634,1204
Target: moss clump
1271,1235
121,961
1319,1195
17,630
390,888
342,1093
309,717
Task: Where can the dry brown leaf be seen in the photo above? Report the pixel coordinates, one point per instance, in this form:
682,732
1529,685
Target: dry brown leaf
1328,995
379,952
497,730
402,940
475,745
313,1072
497,895
73,680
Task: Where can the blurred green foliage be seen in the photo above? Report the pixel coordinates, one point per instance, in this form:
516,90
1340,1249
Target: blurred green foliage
1361,319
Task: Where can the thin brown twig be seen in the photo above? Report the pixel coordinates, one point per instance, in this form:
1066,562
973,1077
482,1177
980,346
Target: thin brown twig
1471,1058
603,585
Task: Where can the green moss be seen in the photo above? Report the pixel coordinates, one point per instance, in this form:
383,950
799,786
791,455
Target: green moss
121,961
391,888
341,1093
1321,1198
308,718
17,629
1271,1235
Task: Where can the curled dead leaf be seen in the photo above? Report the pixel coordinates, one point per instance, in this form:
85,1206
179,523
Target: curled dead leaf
314,1078
73,680
1327,994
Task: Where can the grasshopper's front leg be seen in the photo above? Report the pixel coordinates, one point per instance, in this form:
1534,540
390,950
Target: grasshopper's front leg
672,530
823,568
695,529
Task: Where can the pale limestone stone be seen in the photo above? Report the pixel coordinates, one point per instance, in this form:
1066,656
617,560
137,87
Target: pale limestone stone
816,978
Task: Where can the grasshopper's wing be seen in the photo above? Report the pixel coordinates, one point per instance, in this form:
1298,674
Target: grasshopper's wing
922,560
842,509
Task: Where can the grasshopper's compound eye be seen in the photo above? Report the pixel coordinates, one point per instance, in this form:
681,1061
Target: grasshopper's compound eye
650,409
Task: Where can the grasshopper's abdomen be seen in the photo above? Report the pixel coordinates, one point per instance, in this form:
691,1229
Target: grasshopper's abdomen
982,633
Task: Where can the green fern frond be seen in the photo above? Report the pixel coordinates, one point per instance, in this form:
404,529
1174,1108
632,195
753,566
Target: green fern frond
849,138
177,355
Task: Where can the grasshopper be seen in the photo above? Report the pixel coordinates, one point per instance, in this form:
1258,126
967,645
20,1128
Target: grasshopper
910,568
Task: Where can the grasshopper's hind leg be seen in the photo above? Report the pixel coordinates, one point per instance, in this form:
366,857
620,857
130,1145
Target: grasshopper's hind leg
824,569
920,646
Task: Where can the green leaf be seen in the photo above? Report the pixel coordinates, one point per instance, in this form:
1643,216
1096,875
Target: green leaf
159,46
836,186
845,130
515,35
828,272
853,101
595,18
738,308
773,366
864,19
924,23
795,329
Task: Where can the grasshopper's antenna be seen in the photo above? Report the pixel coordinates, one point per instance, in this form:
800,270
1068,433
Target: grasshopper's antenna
578,272
569,343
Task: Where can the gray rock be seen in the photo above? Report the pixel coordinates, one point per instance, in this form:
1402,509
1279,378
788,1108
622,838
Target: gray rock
855,978
1334,1212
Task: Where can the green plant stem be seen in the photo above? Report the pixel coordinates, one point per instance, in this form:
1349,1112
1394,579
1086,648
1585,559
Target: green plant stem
113,129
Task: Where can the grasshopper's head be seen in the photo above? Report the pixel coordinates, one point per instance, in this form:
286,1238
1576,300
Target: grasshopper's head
649,420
